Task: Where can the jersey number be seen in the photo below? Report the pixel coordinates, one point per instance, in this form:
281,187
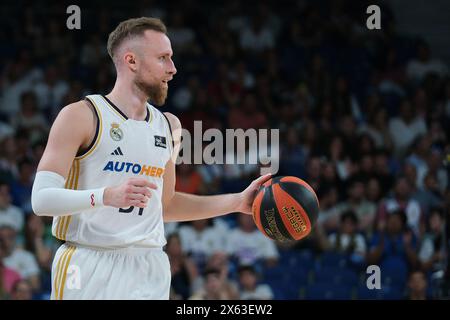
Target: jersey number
130,209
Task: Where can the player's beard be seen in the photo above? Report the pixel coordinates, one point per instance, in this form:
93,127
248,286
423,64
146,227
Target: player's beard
156,92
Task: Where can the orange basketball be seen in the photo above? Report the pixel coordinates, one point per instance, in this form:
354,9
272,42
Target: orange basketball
285,208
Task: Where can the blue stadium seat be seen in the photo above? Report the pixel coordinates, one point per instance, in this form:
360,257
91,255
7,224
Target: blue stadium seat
325,291
336,276
363,293
297,259
285,281
385,293
394,271
285,290
333,259
391,293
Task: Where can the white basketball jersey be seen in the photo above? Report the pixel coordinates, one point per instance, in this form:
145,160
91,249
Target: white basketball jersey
123,148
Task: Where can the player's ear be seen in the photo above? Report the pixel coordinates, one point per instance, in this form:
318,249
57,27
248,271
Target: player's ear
130,60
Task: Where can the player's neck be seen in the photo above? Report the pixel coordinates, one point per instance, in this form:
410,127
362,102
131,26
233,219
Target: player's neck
130,101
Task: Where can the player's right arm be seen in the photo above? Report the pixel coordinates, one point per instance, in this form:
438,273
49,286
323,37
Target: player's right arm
74,129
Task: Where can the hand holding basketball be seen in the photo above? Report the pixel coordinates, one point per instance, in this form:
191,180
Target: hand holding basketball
248,195
285,208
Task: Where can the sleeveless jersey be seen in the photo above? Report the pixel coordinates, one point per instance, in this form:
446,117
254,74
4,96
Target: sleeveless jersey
122,148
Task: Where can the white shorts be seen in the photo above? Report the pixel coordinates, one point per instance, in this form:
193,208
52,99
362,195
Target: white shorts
101,274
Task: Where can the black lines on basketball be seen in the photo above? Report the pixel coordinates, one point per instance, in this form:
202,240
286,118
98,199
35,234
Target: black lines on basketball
270,218
308,200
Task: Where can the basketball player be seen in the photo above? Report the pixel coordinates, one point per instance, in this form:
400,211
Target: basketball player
107,177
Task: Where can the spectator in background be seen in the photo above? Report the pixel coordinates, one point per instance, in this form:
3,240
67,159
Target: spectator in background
249,246
335,152
37,243
200,239
18,259
329,175
417,286
432,250
405,128
30,119
18,77
326,118
384,171
318,78
6,129
51,91
347,240
418,157
308,138
250,289
293,155
238,117
347,129
419,67
364,210
9,213
189,180
345,101
429,195
366,166
410,174
21,187
435,167
377,128
373,190
183,269
220,261
8,159
92,51
213,288
403,201
22,290
181,36
392,73
8,276
393,241
313,171
329,210
257,37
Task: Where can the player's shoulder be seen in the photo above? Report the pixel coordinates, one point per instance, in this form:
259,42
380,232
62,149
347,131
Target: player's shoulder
78,114
174,122
77,109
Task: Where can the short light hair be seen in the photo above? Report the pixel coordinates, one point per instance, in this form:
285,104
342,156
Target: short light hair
130,28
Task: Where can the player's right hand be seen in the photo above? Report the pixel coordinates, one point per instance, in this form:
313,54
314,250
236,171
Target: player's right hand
133,192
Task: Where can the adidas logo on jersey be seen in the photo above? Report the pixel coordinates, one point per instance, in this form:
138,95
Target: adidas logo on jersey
117,152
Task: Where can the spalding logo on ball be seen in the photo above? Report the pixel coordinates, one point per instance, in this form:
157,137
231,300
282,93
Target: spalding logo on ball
285,208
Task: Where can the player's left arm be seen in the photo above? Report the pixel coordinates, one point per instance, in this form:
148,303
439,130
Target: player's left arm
179,206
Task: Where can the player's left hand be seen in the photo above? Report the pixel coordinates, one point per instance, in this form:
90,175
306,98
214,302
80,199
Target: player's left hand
247,196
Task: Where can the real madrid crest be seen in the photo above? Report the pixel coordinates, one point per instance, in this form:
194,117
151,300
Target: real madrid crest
115,132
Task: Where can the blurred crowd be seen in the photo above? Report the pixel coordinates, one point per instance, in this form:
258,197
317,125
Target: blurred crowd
362,117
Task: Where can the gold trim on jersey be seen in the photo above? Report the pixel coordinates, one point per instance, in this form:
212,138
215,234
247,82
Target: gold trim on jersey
169,134
149,109
59,281
63,223
113,109
99,133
